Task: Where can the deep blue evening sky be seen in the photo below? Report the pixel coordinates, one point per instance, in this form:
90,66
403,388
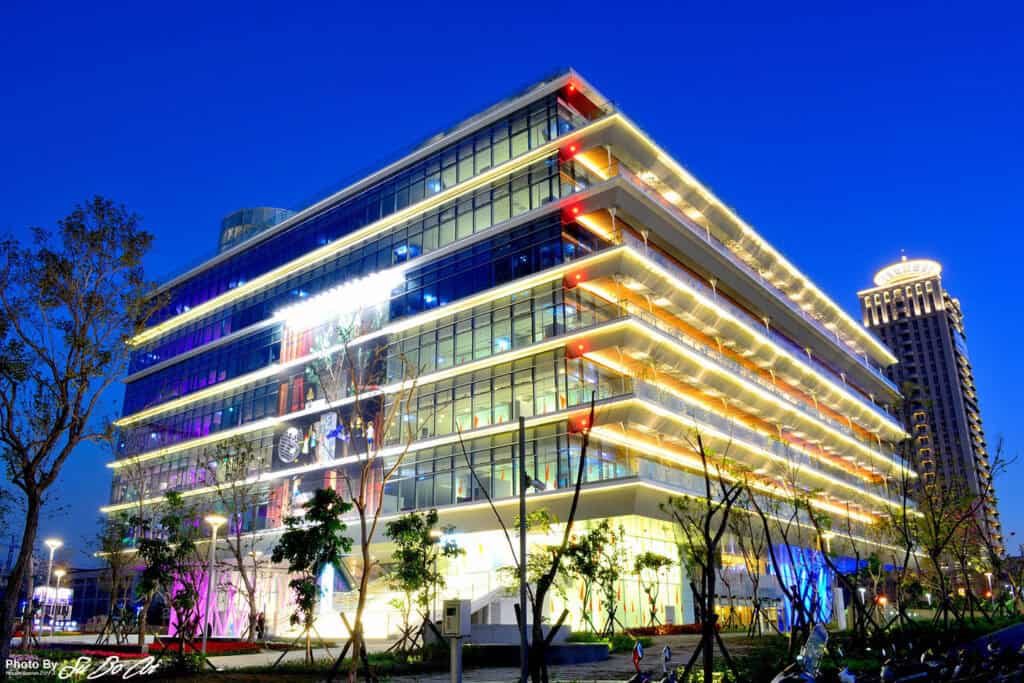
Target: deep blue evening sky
842,136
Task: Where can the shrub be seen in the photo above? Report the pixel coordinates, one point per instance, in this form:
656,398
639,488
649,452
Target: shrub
619,642
667,629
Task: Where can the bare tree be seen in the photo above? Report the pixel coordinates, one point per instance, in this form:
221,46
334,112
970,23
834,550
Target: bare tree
750,542
236,470
141,522
701,523
370,424
944,514
537,591
785,539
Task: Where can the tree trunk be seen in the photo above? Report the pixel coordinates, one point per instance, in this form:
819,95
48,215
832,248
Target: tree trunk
537,659
29,620
17,578
253,617
143,616
708,626
364,582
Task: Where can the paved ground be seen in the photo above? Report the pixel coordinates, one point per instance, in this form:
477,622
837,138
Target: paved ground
618,667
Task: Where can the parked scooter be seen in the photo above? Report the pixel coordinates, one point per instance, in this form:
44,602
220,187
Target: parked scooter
667,670
806,667
638,655
927,667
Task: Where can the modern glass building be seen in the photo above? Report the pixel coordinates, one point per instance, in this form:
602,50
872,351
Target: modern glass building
538,253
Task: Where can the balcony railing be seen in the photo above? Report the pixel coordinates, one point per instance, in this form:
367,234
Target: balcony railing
796,458
731,256
730,364
759,326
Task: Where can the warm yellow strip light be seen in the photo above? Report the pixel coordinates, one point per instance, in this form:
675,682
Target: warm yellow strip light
508,167
600,358
584,161
683,287
529,282
343,243
195,443
591,224
854,327
440,375
601,292
706,430
591,488
694,463
751,387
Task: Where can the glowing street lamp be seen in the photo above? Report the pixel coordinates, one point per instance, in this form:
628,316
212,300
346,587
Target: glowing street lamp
862,590
928,597
827,537
215,521
52,544
988,577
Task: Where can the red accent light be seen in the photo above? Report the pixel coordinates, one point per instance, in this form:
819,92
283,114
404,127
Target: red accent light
575,210
579,277
572,87
579,346
572,148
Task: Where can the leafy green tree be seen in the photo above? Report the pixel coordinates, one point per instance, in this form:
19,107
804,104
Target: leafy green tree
172,565
583,561
69,302
111,537
648,568
414,571
538,557
310,543
611,565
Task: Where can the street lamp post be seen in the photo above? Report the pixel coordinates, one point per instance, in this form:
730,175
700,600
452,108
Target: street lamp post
525,482
435,537
215,522
59,573
52,544
988,577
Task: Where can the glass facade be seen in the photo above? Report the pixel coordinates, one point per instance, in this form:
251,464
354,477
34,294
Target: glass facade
511,137
524,191
509,323
217,365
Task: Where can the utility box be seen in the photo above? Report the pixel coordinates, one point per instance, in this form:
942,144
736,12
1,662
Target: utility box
456,619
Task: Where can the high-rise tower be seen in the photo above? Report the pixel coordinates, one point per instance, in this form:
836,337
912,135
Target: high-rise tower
922,323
